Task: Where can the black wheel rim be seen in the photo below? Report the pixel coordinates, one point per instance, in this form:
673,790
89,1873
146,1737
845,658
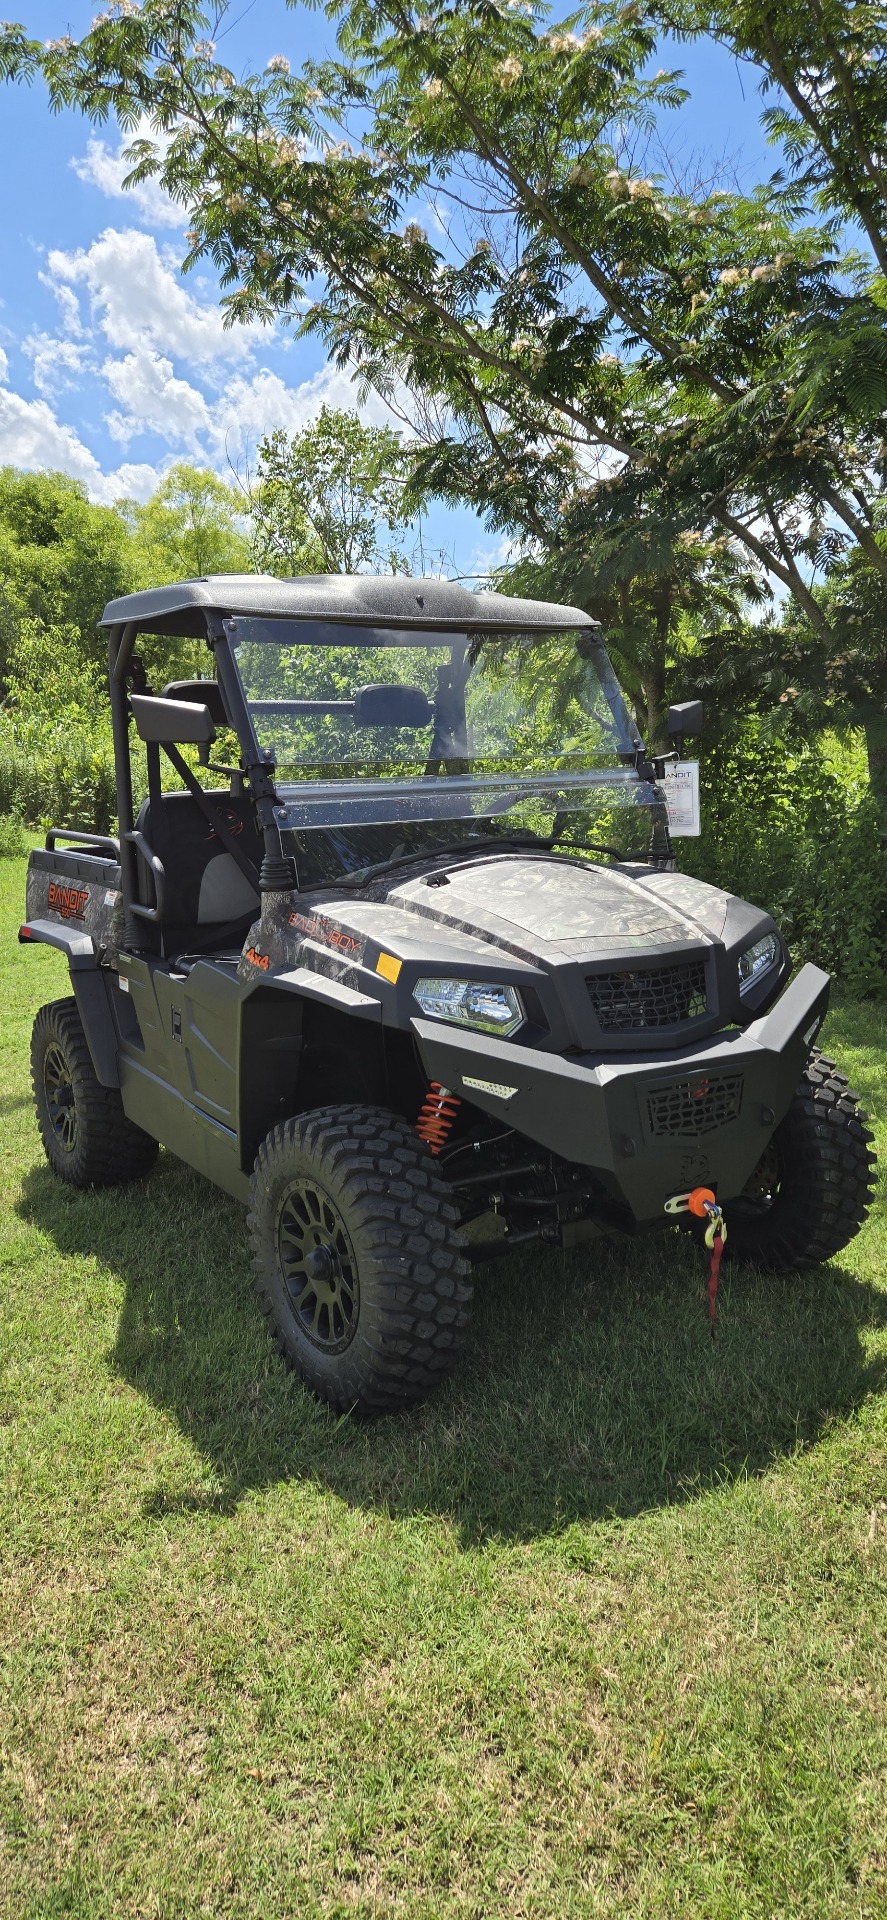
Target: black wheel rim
60,1101
318,1267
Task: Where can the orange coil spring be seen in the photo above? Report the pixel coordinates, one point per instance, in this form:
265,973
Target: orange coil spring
439,1110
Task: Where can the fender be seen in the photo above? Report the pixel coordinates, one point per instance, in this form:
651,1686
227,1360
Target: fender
90,984
333,993
51,933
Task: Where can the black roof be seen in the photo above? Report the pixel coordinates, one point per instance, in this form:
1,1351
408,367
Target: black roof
355,598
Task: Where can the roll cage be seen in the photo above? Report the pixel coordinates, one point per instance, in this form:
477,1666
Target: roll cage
200,609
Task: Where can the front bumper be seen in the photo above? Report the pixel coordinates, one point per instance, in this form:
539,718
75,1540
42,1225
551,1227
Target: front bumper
653,1124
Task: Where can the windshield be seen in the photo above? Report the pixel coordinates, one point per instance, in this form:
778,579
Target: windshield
393,742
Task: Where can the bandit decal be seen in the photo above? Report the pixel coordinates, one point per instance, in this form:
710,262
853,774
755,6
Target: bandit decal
70,902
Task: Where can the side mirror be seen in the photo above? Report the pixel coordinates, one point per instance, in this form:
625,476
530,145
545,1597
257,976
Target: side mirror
684,720
200,693
172,722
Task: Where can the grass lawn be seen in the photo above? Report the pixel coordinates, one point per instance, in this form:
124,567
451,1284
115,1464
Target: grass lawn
600,1630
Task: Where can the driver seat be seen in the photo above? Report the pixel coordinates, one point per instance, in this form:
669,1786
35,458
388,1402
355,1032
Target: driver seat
209,905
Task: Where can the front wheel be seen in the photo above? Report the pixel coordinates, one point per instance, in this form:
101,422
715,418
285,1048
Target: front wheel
812,1188
359,1260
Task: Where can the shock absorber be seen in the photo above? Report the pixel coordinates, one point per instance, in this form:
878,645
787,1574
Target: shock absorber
439,1110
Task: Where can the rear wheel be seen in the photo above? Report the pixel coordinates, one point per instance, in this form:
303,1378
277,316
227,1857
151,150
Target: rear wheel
359,1258
86,1135
812,1188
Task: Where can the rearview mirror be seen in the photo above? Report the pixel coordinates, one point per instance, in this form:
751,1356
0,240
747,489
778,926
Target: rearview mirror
396,706
686,719
172,722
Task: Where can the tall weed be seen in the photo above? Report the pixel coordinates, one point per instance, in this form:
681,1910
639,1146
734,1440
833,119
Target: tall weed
793,826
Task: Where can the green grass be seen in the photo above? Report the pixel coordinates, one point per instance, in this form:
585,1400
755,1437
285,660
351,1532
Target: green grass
599,1631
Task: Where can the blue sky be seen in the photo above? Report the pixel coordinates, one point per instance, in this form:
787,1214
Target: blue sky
112,365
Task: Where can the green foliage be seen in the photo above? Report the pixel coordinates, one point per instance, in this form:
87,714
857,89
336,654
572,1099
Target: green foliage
825,82
14,839
61,558
53,772
795,828
191,525
56,755
798,677
47,677
649,589
330,499
854,598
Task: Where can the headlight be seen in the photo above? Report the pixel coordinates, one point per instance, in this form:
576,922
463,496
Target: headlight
757,960
471,1003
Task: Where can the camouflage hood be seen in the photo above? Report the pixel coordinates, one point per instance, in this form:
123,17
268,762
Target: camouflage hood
535,905
537,909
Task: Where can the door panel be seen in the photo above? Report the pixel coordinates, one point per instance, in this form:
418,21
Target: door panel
211,1022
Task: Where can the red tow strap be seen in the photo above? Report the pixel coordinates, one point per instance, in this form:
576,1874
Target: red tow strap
703,1204
717,1250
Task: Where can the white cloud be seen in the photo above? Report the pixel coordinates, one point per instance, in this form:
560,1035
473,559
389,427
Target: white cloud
68,303
134,480
163,368
107,170
137,301
4,367
54,361
224,427
487,560
154,401
32,437
253,405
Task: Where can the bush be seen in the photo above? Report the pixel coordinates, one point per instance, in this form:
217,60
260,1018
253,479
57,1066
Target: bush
56,754
793,827
14,838
56,772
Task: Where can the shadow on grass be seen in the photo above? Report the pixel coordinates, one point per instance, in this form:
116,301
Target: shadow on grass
590,1387
15,1103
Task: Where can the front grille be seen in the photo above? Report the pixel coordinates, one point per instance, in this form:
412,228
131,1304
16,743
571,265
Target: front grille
687,1108
650,997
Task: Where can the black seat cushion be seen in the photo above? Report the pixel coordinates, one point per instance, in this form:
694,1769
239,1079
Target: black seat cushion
208,901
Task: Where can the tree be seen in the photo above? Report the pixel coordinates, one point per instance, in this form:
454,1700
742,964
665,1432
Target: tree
61,559
578,328
330,499
654,593
846,682
824,84
824,75
190,526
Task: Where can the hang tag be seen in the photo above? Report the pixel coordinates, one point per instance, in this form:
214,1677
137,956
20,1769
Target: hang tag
681,789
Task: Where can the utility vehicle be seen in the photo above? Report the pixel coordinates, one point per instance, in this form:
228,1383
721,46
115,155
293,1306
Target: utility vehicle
418,980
